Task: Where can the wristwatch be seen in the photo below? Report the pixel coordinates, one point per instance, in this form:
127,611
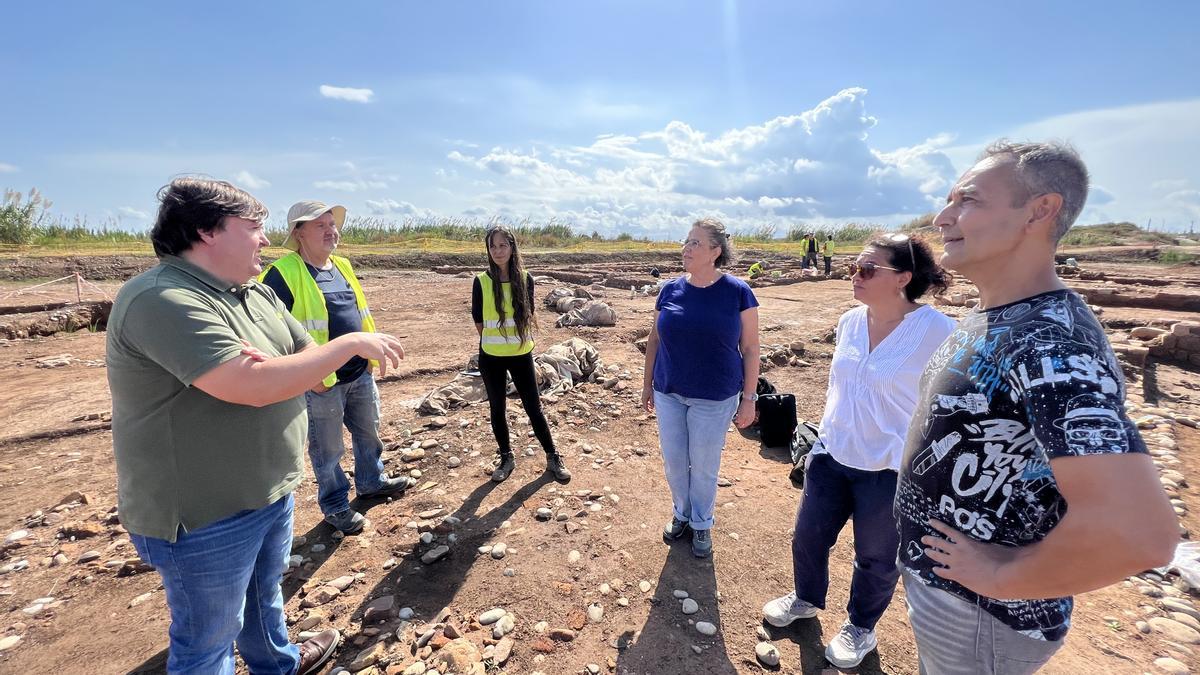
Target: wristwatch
752,397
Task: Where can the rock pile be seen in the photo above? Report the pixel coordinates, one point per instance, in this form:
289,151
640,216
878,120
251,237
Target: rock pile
1181,342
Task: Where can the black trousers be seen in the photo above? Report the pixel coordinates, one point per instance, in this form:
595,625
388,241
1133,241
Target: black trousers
833,494
493,369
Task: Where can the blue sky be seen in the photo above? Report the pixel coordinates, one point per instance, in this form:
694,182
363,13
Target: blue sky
613,116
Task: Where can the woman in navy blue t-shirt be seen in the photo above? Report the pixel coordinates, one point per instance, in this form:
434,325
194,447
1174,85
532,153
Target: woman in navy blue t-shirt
701,354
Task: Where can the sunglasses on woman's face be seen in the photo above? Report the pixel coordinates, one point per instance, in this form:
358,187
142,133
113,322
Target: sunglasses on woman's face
866,270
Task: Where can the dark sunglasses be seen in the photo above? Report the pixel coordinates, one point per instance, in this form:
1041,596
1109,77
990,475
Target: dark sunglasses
866,270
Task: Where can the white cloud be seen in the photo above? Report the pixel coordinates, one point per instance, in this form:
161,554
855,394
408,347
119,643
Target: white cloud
8,168
356,185
250,181
390,207
1188,204
1170,184
347,94
130,212
817,165
1141,154
1098,196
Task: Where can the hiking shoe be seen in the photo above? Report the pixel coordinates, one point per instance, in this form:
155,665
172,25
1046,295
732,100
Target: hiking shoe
504,467
674,529
315,651
348,521
701,543
389,487
556,467
782,611
850,646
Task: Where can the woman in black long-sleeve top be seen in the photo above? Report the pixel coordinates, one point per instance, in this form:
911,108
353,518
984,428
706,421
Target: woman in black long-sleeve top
502,307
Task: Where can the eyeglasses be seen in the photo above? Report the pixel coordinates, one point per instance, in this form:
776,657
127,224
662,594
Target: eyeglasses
1094,436
693,243
897,238
866,270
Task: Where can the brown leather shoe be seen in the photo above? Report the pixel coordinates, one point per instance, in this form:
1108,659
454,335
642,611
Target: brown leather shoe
316,651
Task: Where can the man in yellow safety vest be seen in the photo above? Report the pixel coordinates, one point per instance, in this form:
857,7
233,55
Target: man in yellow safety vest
323,294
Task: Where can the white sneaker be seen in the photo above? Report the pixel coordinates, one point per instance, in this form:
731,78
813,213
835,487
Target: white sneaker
782,611
850,646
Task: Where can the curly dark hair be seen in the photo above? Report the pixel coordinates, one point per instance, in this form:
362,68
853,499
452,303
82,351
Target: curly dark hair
191,205
910,253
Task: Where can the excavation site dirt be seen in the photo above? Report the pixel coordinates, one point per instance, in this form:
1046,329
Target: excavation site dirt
579,573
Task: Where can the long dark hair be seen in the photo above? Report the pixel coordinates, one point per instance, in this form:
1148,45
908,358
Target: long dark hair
522,309
909,253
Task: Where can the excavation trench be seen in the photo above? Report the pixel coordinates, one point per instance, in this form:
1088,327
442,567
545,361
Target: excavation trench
32,321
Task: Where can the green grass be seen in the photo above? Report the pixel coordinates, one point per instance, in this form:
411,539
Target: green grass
374,235
1114,234
1174,256
26,229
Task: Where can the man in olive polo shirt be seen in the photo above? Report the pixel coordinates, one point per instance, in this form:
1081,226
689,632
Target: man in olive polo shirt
207,371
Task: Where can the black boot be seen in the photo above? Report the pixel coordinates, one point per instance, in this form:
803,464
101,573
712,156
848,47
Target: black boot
504,467
556,467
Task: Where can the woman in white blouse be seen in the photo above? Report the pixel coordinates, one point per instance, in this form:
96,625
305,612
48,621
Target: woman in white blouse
882,348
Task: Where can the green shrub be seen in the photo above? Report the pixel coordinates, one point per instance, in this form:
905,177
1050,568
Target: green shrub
762,233
1113,234
1173,256
21,216
919,223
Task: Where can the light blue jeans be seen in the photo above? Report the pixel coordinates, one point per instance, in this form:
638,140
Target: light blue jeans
355,405
955,637
691,432
222,585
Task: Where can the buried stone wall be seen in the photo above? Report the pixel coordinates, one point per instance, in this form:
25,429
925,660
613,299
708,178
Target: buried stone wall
1112,297
1181,342
65,318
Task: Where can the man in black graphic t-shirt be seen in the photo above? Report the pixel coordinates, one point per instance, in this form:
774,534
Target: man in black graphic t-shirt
1023,480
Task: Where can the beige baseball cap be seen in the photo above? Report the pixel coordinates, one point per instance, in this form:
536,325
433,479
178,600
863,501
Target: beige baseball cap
311,209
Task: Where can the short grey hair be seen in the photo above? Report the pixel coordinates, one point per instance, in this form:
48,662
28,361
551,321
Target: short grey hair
719,237
1045,168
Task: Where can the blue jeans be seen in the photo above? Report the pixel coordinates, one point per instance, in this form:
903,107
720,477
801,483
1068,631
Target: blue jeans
691,432
356,405
833,493
222,583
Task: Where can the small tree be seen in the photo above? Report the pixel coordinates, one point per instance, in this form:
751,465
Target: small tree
21,216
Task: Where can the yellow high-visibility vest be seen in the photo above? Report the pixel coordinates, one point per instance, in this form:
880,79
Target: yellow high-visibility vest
308,303
500,338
